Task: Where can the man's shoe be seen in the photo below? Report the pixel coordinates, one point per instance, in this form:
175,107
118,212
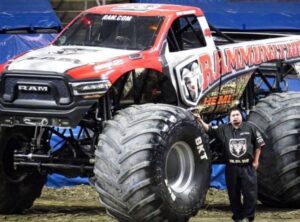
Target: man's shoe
245,220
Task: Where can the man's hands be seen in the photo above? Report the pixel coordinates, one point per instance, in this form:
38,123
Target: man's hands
198,118
201,122
255,164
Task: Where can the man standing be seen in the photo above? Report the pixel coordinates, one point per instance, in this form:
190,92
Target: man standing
242,147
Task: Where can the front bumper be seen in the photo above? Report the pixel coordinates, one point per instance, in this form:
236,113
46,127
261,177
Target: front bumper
41,99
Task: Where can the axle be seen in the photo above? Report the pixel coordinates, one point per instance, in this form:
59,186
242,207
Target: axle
50,164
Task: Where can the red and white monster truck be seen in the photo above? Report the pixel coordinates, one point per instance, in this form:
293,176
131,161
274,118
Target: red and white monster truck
128,76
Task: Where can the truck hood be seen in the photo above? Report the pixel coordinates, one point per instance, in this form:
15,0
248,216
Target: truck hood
59,59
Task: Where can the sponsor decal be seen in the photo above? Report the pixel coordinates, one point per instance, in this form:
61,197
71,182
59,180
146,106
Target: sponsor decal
136,7
190,77
259,138
222,99
53,58
107,65
192,80
229,60
200,148
237,147
218,100
123,18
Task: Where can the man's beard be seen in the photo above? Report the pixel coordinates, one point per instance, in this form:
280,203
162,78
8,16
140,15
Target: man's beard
236,123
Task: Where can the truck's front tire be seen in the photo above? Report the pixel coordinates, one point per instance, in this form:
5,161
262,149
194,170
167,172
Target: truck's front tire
152,164
18,189
278,119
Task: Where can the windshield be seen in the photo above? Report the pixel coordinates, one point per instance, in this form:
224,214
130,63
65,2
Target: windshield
112,31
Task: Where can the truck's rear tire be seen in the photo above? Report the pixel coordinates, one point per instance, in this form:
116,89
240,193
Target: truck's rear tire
278,119
152,164
18,189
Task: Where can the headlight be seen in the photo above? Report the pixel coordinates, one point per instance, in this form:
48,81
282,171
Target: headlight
90,88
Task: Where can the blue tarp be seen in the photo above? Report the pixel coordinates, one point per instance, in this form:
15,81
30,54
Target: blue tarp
217,178
15,44
57,180
29,15
20,14
246,15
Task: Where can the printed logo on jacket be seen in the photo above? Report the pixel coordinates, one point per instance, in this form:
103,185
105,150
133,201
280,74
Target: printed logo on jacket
237,147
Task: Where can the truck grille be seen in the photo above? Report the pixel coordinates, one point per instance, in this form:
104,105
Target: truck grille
35,90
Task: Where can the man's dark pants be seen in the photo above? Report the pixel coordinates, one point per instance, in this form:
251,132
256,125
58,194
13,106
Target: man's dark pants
241,180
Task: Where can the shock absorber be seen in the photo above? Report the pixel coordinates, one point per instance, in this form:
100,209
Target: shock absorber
36,140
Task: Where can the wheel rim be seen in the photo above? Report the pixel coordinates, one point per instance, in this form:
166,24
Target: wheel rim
180,167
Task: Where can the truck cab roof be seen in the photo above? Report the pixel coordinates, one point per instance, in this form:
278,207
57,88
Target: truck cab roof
167,10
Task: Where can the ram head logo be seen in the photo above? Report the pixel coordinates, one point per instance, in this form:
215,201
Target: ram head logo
237,147
192,81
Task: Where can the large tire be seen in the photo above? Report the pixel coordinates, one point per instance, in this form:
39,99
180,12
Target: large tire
18,189
278,119
152,164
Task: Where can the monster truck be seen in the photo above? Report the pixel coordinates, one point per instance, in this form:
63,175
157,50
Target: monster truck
120,87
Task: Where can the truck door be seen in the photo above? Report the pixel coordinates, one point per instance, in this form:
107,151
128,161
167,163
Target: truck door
185,43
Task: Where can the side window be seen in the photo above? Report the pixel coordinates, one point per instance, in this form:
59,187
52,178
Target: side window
185,33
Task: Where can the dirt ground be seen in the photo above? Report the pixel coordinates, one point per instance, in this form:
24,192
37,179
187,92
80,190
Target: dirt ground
80,204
